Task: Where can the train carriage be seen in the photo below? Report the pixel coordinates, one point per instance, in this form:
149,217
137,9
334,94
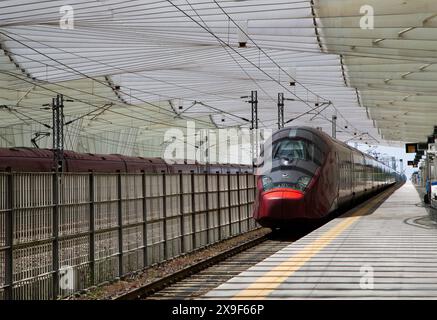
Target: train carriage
311,175
21,159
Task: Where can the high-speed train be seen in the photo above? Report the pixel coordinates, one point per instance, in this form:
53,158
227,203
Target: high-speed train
304,175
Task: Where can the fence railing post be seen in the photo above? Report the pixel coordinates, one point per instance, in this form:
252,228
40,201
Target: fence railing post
229,203
208,238
9,281
164,208
218,207
248,206
239,202
120,226
193,208
92,230
145,253
55,231
181,205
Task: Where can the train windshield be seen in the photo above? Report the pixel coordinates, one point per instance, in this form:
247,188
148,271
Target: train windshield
295,150
295,162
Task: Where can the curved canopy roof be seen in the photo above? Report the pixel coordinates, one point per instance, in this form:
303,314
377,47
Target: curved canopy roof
133,69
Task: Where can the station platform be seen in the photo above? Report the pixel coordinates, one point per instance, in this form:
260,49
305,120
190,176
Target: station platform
390,253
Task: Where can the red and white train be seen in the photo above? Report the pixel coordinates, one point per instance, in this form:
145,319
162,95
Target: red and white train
312,175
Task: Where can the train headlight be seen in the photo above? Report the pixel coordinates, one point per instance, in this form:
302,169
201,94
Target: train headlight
303,182
267,182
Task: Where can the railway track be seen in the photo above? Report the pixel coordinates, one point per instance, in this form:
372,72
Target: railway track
198,284
195,280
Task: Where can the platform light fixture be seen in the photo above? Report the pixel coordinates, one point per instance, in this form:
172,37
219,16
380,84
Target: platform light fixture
242,31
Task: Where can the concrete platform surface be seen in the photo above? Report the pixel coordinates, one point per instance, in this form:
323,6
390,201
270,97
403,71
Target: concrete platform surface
389,254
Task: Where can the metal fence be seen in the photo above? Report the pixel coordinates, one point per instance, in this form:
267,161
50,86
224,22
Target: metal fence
63,233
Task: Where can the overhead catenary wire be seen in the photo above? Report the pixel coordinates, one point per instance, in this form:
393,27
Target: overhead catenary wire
73,89
127,88
118,113
279,66
88,103
242,56
143,9
83,74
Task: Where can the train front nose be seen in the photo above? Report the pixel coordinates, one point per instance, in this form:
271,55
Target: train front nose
279,205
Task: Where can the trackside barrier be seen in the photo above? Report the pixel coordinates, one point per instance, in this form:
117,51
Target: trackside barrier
62,233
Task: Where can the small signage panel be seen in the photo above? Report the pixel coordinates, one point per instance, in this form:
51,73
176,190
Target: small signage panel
411,148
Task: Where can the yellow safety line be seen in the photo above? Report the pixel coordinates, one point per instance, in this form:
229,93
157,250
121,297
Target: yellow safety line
264,285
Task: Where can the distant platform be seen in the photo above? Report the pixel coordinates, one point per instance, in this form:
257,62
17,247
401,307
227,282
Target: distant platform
388,254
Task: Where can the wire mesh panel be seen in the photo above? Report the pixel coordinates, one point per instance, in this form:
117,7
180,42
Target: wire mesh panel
188,232
105,201
234,204
132,198
244,223
33,223
224,206
199,192
155,242
186,194
200,219
213,205
154,197
33,199
201,229
187,211
173,214
172,195
155,217
173,237
213,227
32,272
133,258
106,256
36,288
74,201
131,217
74,268
212,192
